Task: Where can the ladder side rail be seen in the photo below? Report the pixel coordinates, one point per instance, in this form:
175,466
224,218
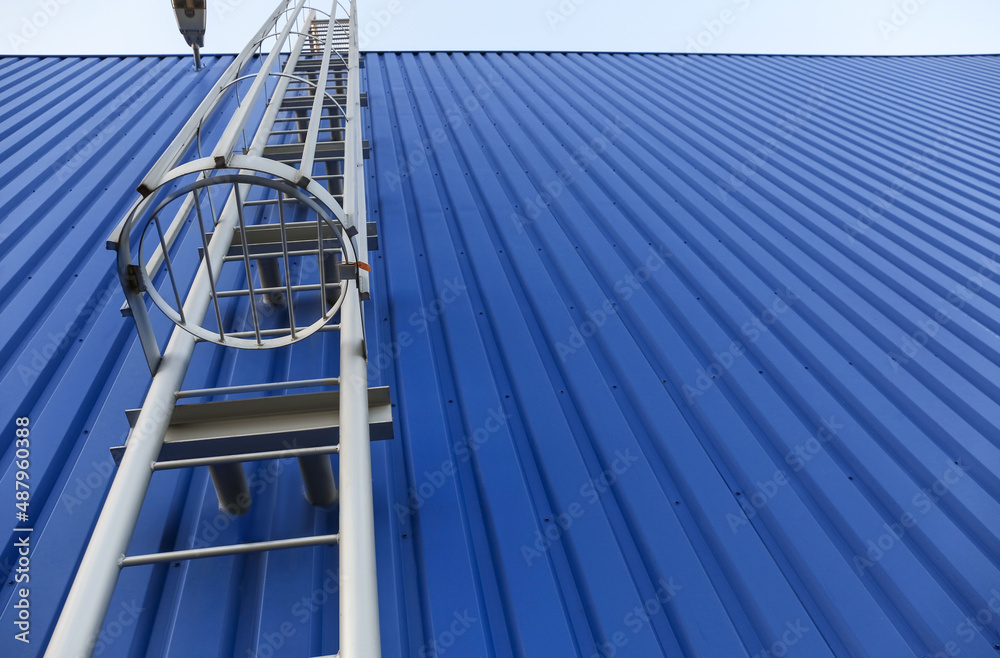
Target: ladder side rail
359,619
173,154
83,613
319,99
182,142
354,156
224,147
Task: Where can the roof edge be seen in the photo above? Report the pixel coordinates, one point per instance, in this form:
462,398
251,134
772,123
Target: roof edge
450,51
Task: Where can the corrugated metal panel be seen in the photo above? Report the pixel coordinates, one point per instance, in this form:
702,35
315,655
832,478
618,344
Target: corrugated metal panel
691,356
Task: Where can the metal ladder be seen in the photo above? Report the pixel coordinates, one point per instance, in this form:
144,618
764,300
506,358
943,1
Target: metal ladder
284,257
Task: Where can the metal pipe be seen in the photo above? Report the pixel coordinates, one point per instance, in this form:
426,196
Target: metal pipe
309,286
317,480
354,196
234,549
273,332
278,254
87,603
312,133
231,488
256,388
224,147
83,613
180,144
288,268
359,622
197,58
247,457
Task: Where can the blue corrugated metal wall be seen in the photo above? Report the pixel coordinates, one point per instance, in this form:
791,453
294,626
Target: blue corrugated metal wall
692,355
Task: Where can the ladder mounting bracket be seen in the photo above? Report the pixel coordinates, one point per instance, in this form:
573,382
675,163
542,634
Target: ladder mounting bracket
261,424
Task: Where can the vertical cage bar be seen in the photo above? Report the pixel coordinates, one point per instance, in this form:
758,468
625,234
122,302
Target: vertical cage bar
246,261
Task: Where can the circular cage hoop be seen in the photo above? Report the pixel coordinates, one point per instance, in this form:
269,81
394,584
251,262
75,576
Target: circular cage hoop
282,187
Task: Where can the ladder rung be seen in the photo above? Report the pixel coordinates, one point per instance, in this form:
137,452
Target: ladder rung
271,332
267,202
323,150
247,457
298,251
231,549
256,388
306,102
296,148
265,239
271,233
347,271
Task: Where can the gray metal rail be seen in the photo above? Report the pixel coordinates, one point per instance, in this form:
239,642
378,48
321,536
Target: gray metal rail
86,605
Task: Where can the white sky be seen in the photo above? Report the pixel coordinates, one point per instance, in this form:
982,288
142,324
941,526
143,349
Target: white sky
745,26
